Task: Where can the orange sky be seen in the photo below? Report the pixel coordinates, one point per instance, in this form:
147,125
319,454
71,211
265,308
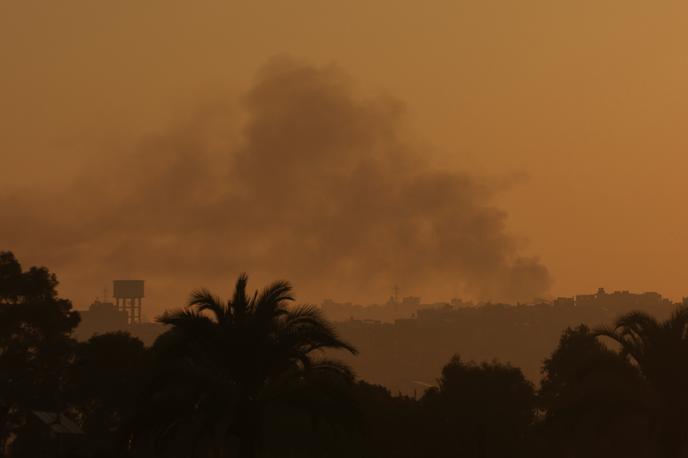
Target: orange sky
585,98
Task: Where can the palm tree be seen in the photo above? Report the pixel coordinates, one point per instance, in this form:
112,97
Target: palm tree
660,352
224,363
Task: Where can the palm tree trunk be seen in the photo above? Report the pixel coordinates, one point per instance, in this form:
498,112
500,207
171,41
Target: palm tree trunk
672,437
248,428
247,446
670,449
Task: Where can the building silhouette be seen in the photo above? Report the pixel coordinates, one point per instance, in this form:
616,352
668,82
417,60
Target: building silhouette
122,314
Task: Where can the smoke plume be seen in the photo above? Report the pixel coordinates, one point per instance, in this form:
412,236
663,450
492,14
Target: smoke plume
309,182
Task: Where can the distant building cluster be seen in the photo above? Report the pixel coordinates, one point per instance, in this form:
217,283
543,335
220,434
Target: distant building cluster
411,307
617,299
404,342
102,317
392,310
122,314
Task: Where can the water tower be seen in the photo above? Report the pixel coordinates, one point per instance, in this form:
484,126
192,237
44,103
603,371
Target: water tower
128,295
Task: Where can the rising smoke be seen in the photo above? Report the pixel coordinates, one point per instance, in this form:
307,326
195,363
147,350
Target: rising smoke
319,186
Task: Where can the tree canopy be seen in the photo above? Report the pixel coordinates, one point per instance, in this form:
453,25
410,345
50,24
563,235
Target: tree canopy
231,361
35,347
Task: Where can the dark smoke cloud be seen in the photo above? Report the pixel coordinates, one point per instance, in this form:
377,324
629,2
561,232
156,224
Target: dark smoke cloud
317,185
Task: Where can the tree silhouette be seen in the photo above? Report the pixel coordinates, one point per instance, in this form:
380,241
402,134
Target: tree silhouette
481,410
660,352
106,377
592,400
222,364
35,347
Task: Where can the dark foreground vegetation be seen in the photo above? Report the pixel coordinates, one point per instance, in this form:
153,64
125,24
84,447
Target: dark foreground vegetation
251,377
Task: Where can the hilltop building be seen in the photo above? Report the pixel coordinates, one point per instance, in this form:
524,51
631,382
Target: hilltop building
620,299
101,317
125,314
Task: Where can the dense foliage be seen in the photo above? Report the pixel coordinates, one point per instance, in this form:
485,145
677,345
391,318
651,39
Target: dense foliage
250,376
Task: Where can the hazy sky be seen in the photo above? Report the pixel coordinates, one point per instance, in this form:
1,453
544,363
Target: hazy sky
572,112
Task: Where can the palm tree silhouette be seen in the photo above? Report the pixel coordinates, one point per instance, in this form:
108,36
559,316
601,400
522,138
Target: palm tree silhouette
229,361
660,352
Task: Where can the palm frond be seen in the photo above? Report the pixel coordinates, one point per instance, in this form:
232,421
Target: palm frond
189,330
204,300
605,331
306,326
638,323
186,319
272,299
334,367
240,302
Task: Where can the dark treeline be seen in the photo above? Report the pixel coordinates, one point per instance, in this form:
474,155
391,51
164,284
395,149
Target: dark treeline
251,376
410,350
